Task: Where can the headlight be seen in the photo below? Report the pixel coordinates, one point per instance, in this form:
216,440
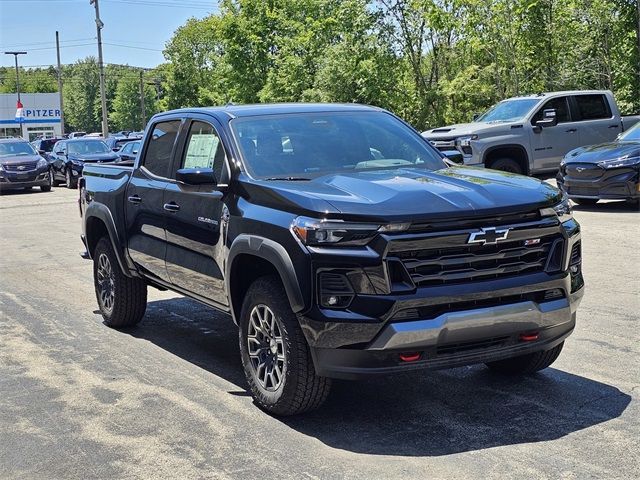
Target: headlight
620,162
466,140
77,163
562,210
42,163
322,232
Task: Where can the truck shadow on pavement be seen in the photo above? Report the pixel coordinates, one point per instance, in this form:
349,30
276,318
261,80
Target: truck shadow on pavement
417,414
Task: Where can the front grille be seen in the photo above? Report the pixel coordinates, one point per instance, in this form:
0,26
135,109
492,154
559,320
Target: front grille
467,263
429,312
586,191
584,171
20,167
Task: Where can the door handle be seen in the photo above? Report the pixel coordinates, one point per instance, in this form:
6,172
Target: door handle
134,199
571,130
614,126
171,207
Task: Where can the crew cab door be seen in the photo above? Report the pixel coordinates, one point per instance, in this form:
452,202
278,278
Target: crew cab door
144,199
598,123
550,144
193,216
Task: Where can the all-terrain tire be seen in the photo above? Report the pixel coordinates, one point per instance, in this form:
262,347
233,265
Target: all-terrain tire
300,389
128,302
525,364
507,165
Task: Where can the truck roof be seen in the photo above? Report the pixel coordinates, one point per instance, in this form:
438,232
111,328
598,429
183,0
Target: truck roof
562,92
233,111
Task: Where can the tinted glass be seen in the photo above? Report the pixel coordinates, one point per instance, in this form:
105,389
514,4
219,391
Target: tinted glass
509,110
204,149
157,158
87,147
561,106
127,148
310,145
592,107
8,149
632,134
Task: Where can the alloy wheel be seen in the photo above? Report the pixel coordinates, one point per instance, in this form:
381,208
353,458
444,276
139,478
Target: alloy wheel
106,283
266,347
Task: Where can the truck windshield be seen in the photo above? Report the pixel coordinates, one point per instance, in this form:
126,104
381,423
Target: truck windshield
631,135
88,146
509,110
302,146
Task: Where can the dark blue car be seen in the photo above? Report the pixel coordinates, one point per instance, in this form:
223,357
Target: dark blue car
69,156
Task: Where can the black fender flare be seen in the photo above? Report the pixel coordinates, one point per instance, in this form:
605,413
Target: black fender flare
102,213
506,146
275,254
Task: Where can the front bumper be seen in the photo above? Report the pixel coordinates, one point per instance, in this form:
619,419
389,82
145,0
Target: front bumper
457,337
14,180
610,184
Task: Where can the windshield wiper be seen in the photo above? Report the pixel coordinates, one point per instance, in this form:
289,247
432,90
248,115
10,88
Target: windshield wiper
290,179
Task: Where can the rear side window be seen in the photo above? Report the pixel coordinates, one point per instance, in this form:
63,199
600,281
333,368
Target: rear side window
561,106
157,158
593,107
204,149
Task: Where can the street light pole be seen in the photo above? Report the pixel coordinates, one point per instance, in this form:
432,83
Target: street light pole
15,55
103,95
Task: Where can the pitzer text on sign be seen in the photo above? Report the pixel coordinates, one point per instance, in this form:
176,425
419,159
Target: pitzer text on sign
41,113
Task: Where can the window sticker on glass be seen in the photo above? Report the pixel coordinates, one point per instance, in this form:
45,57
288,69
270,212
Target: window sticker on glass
201,150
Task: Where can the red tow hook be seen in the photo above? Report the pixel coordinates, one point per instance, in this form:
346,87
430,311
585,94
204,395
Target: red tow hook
410,357
529,337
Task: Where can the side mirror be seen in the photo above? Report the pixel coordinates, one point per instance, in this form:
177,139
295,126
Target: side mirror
549,118
135,152
41,152
453,155
59,152
196,176
475,117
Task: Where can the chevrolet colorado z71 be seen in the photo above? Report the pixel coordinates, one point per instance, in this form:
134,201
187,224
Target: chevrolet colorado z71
531,134
340,241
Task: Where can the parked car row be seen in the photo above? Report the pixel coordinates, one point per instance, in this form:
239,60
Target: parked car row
48,162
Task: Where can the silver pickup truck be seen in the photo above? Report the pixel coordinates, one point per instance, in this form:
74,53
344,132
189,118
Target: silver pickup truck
531,134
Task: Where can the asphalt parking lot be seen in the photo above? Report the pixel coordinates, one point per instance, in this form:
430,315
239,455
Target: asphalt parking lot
167,399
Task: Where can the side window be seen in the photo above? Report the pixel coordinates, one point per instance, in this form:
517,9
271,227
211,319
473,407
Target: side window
126,148
204,149
561,105
157,158
593,107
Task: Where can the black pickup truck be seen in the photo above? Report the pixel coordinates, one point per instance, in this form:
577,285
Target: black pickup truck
340,241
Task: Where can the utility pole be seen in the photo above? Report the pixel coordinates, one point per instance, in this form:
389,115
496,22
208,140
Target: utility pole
60,83
142,109
103,95
19,104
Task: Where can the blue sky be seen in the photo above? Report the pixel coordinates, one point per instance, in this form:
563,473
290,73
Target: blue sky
135,31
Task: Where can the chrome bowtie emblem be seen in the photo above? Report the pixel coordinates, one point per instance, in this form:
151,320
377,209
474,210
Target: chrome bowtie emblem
21,167
489,236
580,169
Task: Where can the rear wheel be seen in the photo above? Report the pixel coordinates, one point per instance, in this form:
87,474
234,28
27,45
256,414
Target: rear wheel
585,201
507,165
122,300
275,354
530,363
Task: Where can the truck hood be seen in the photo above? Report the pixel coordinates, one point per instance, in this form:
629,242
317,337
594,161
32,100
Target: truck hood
602,152
463,129
94,157
411,194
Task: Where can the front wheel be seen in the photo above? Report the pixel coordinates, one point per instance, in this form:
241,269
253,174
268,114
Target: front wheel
70,182
47,188
507,165
122,300
275,355
529,363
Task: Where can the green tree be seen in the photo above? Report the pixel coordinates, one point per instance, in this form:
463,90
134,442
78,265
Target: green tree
126,113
